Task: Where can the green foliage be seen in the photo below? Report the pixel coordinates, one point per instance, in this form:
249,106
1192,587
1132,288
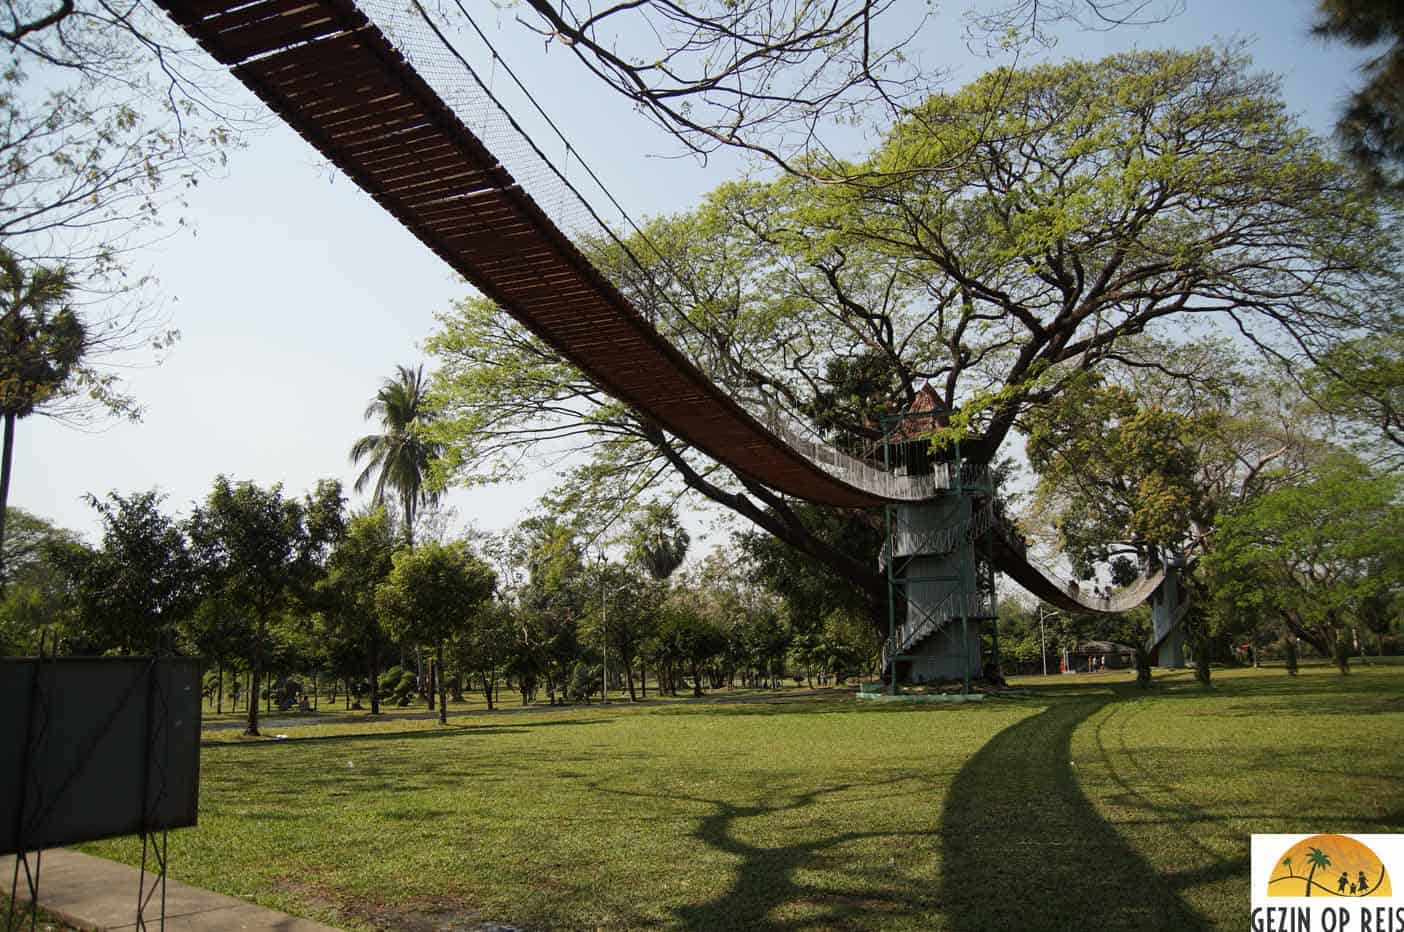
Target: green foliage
432,592
140,583
400,458
261,553
812,590
44,341
1001,241
106,118
256,546
685,640
657,541
1372,125
488,646
1314,554
219,629
345,597
1361,382
623,605
397,685
37,594
1120,471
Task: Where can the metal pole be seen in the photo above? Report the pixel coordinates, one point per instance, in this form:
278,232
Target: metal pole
1042,641
891,602
965,648
604,636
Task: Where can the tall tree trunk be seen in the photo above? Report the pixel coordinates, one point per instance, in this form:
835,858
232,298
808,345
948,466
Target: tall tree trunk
219,689
438,672
6,460
373,664
255,670
629,674
430,681
487,689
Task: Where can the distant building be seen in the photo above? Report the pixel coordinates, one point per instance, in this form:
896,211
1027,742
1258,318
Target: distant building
1092,656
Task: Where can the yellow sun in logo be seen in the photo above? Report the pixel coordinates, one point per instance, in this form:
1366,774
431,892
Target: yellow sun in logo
1328,865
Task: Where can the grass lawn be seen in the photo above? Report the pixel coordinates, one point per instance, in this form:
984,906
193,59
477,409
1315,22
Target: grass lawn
1086,803
45,921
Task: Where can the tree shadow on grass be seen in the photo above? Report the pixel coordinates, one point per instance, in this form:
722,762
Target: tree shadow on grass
441,733
775,888
1023,848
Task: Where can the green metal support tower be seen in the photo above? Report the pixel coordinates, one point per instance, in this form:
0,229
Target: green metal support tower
938,560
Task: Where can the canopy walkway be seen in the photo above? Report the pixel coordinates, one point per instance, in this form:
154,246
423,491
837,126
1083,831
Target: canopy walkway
348,90
1011,556
337,80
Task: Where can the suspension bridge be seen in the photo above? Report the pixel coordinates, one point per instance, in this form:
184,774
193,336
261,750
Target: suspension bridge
394,107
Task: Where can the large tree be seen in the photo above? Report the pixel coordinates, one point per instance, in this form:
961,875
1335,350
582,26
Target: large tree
261,550
1147,192
140,583
1318,555
431,594
345,596
38,595
774,80
1135,461
41,343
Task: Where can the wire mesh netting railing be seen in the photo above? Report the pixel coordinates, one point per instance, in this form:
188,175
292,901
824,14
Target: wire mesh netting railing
579,204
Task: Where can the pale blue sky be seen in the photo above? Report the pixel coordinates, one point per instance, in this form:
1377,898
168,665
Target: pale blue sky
295,294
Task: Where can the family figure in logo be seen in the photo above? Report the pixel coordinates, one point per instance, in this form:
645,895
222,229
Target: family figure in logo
1359,888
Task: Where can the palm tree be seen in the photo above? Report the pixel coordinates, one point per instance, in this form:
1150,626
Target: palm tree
41,342
1317,858
658,541
398,459
1287,863
658,545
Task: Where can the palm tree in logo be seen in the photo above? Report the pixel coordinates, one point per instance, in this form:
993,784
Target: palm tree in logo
1316,858
1287,863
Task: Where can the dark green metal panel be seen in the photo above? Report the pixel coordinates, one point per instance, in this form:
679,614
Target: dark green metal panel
96,747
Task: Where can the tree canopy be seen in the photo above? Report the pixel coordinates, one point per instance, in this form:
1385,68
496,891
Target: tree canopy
1372,125
261,550
432,593
1165,193
1317,555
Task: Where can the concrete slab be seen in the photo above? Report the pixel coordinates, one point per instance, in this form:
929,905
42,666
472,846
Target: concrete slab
101,895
